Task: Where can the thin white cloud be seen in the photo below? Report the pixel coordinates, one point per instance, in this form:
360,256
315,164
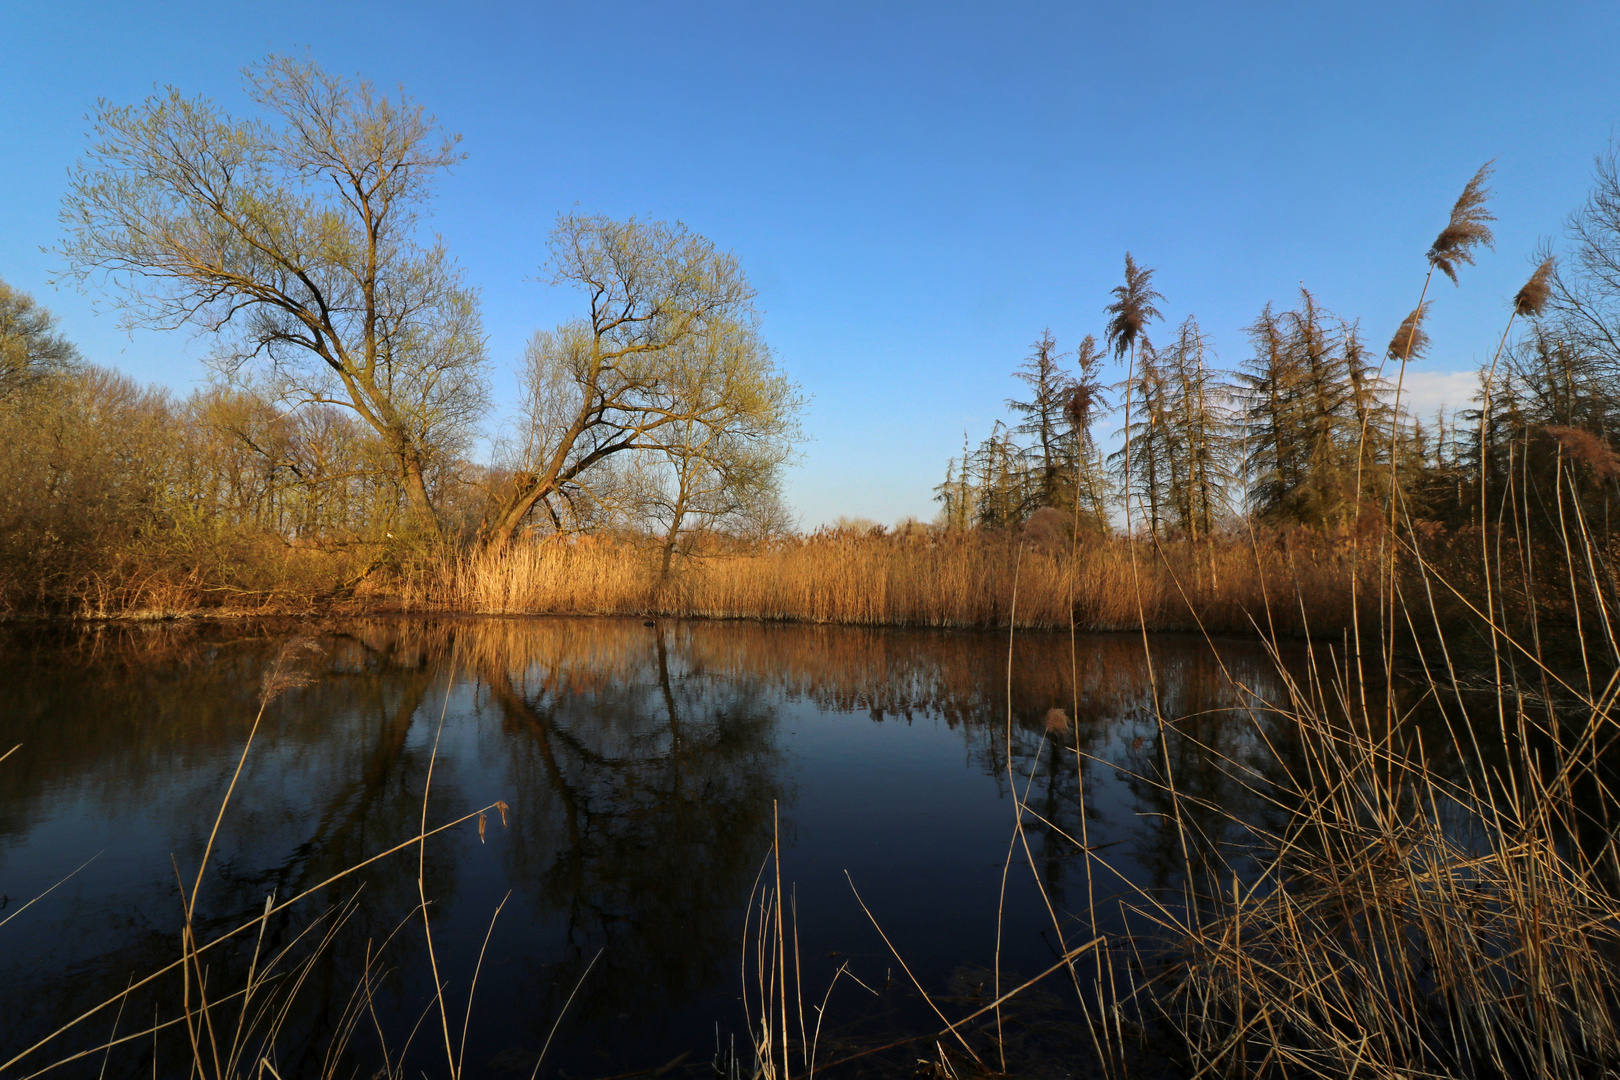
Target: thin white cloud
1425,393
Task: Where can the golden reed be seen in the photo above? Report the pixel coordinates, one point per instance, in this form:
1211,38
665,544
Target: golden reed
1285,582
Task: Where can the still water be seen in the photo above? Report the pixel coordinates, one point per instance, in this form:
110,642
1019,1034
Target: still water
645,769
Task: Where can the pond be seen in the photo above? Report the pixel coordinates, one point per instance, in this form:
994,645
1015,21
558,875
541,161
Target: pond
644,769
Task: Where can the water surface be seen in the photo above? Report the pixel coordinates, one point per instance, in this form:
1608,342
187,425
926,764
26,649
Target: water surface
646,770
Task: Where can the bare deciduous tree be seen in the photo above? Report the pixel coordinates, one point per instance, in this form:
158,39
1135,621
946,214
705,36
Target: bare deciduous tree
293,237
661,300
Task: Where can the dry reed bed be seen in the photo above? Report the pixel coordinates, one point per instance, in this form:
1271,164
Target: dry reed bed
1289,584
1405,926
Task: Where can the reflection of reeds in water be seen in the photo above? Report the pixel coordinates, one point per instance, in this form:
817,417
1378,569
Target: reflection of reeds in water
237,1029
1404,906
1408,926
543,676
1399,921
887,671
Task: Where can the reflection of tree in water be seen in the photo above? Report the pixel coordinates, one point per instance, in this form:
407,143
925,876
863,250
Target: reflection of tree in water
641,765
646,790
333,779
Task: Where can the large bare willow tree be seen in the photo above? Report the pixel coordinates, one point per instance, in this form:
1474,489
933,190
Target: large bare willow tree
293,238
665,361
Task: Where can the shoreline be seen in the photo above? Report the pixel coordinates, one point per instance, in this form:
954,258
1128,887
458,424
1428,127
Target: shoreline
242,615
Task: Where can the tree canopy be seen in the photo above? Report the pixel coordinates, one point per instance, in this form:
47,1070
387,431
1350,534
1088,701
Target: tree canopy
292,238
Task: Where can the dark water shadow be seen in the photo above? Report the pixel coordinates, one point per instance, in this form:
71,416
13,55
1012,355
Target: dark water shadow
644,768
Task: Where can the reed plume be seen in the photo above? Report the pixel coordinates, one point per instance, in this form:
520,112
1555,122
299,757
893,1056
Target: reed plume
1467,228
1081,401
288,672
1410,340
1085,394
1132,309
1532,296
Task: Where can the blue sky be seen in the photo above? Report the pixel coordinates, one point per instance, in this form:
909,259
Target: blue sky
917,190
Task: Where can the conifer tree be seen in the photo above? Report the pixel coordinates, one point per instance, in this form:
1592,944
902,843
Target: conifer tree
957,496
1309,394
1054,453
1198,439
1146,461
1084,405
1001,478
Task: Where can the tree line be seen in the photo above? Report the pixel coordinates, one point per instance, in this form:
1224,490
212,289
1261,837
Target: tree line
351,370
1309,429
343,423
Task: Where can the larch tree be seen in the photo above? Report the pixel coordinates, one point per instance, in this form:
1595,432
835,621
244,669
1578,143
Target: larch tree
957,497
1054,450
1000,481
1085,404
1148,460
1199,442
1314,417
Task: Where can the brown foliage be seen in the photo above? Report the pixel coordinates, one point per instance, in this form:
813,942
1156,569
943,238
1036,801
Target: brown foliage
1532,295
1048,529
1410,341
1586,448
1467,228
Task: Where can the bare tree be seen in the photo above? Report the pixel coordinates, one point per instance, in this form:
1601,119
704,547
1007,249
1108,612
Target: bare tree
293,237
605,384
719,460
1584,288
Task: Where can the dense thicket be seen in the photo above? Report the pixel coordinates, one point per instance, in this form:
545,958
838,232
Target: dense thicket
122,496
352,373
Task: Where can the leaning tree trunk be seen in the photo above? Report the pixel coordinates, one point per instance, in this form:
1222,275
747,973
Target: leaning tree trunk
416,493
